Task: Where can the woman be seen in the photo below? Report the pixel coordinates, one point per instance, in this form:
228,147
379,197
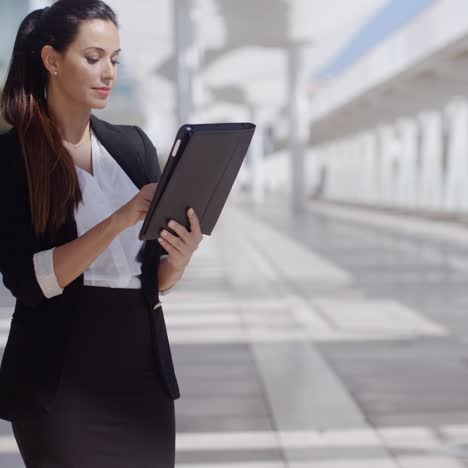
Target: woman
87,378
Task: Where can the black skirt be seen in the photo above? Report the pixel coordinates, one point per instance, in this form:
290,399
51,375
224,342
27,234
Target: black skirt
111,410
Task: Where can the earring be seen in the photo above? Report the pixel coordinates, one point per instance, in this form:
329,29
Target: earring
55,73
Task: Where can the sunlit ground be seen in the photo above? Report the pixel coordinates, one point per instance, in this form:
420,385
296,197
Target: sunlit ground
336,339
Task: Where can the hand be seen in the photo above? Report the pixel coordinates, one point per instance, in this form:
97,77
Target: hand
181,248
136,208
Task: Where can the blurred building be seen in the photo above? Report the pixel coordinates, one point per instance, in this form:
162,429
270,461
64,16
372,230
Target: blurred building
389,119
358,102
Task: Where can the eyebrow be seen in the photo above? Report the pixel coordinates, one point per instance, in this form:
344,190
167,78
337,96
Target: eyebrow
100,48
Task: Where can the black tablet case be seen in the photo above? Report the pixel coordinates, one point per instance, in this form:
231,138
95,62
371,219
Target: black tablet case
199,174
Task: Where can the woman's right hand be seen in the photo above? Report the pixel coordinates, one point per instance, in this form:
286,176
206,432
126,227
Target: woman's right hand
136,208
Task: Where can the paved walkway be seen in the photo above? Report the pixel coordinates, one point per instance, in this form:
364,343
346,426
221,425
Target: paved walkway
336,339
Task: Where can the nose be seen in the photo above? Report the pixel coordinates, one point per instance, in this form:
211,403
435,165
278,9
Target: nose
109,72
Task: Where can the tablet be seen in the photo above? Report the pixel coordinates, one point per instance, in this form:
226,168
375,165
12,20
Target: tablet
199,173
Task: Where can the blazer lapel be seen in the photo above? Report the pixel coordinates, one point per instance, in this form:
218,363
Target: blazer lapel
120,148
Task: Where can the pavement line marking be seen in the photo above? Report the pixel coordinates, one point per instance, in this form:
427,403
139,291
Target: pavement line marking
268,464
290,368
279,439
377,315
408,224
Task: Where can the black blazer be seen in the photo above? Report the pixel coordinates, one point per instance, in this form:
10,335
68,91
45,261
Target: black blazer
40,327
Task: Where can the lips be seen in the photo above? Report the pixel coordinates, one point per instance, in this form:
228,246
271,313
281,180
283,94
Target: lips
103,89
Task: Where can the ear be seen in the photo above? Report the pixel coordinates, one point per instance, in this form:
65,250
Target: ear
50,60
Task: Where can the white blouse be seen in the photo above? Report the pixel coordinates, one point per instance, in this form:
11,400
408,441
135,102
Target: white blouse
103,193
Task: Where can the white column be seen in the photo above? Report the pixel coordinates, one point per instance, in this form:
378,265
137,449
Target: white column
430,196
379,150
187,55
388,160
409,179
368,167
298,121
255,155
456,196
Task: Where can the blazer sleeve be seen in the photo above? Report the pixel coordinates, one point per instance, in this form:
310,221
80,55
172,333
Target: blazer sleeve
152,167
153,172
17,241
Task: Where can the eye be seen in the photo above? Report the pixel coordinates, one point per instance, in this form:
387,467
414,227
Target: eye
93,61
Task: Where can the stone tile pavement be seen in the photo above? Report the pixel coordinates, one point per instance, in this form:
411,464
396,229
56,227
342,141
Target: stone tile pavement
332,339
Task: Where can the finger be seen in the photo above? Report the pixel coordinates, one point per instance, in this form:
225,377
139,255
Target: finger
180,230
170,249
151,188
188,237
148,195
145,203
194,222
173,240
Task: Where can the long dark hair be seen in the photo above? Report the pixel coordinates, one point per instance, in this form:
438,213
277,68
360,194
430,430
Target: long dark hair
53,185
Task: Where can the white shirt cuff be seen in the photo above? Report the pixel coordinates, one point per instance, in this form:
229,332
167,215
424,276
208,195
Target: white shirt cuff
45,274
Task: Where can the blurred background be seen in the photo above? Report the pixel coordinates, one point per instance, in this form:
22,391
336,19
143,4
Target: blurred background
324,322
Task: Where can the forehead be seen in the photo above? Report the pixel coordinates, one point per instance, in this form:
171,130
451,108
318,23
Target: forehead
99,34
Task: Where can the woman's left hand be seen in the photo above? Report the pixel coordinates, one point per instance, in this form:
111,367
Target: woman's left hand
181,248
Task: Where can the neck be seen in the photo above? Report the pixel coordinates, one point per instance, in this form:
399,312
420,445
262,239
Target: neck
72,119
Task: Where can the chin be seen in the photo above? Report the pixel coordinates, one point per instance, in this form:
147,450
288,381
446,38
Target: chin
98,104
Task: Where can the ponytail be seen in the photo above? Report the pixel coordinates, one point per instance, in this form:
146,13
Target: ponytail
51,176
